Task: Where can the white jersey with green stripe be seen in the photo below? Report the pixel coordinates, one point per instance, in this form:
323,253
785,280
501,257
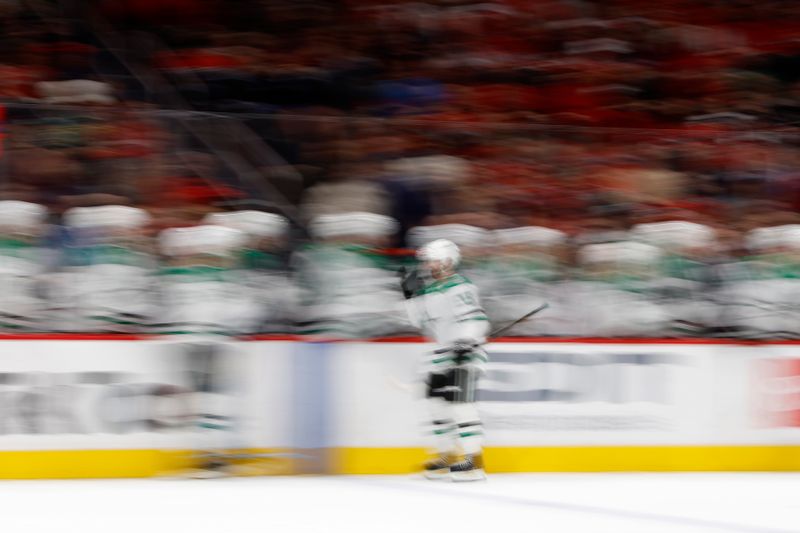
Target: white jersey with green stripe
201,299
20,273
449,310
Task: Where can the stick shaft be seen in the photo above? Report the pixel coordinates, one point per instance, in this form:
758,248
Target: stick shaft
500,330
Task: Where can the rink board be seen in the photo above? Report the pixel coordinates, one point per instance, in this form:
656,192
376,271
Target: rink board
110,406
583,405
585,459
79,464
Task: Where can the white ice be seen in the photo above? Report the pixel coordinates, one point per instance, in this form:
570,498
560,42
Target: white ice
541,503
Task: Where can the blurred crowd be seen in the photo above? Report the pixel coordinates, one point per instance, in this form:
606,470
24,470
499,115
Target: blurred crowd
635,164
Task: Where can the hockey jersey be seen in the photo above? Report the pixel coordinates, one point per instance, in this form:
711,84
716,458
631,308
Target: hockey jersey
448,311
20,267
350,291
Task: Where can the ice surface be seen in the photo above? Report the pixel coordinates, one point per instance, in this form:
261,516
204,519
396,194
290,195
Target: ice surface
546,503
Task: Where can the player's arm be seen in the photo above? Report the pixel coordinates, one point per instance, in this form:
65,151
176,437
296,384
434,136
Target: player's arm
410,282
412,285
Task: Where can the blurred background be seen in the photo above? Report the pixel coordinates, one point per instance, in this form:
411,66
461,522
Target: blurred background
247,167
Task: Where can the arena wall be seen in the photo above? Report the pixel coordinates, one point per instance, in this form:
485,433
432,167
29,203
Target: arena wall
111,406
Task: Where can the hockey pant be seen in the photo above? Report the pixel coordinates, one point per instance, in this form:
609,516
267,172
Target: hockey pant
451,399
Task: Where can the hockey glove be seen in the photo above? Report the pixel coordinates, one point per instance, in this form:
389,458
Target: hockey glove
410,282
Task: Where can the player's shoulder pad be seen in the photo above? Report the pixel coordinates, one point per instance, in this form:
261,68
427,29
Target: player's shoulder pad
456,280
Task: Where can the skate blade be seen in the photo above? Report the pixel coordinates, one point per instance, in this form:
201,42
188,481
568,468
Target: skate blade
473,475
443,473
207,474
192,474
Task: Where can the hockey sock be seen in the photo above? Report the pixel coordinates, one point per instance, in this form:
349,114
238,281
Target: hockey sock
468,427
212,402
442,425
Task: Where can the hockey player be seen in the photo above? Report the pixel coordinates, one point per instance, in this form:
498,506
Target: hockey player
760,301
526,268
106,285
614,297
685,287
202,302
21,264
199,283
271,297
348,282
446,306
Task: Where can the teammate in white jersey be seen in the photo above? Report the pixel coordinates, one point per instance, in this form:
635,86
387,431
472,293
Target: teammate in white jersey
446,306
199,281
106,284
270,297
203,305
21,265
348,283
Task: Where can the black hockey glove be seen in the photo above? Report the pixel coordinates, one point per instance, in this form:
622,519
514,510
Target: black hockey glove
462,350
410,282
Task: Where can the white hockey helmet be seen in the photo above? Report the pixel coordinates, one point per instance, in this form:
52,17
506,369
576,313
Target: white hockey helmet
21,214
254,223
533,235
205,239
620,253
355,223
785,237
107,216
440,250
674,234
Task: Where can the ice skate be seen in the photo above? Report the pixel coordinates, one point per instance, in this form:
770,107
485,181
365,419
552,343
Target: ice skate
468,469
437,467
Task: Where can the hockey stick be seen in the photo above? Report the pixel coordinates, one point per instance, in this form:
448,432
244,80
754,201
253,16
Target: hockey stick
527,315
408,387
505,328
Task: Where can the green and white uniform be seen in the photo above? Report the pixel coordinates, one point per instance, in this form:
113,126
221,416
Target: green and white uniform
449,311
203,308
109,287
349,290
761,298
614,297
21,265
270,296
684,287
20,269
200,286
107,284
515,287
524,271
348,284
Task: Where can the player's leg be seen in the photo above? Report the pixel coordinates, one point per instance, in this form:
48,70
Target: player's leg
442,425
469,430
212,404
